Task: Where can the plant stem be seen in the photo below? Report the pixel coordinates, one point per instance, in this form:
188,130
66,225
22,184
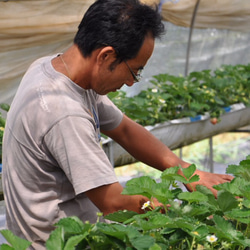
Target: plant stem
193,242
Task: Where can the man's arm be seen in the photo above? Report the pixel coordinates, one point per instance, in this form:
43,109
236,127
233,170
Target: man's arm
146,148
108,199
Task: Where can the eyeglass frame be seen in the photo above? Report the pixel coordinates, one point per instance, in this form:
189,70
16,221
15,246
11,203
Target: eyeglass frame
137,77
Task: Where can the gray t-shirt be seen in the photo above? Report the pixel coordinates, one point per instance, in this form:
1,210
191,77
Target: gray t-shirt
52,152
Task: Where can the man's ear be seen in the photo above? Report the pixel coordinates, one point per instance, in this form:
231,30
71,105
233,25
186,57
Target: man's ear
106,54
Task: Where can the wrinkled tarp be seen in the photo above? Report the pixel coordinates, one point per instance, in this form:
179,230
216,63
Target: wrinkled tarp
218,14
31,29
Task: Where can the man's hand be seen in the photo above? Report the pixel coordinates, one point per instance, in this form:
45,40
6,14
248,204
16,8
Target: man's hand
209,180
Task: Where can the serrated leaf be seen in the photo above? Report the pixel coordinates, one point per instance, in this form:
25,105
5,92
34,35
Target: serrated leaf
140,186
226,201
56,240
73,241
210,197
71,224
162,193
246,203
232,187
143,242
241,215
245,191
179,178
169,174
223,228
193,197
153,221
238,213
193,211
203,189
194,178
199,232
16,242
184,225
189,171
243,170
120,216
118,231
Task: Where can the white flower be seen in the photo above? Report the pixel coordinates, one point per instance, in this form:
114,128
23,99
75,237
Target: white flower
211,238
187,209
162,100
154,90
145,205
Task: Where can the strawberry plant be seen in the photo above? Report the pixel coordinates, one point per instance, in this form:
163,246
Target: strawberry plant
174,97
195,220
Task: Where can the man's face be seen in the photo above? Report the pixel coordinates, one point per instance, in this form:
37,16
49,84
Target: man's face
125,72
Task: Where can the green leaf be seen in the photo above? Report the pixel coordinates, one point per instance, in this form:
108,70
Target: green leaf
243,170
5,106
237,214
194,211
200,231
2,122
194,178
211,201
245,191
120,216
246,203
224,230
16,242
71,224
179,178
140,186
56,240
153,221
189,171
118,231
73,241
183,224
193,197
162,193
226,201
170,174
232,187
155,247
6,247
143,242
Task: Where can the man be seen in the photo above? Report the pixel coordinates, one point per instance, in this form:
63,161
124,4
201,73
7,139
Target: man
54,165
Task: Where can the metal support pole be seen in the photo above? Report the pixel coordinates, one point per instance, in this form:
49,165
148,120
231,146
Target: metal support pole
180,153
190,36
211,155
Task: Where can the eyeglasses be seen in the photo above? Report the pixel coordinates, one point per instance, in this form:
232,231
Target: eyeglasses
137,77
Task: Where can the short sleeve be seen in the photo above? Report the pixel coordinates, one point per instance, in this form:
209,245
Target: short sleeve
73,144
109,115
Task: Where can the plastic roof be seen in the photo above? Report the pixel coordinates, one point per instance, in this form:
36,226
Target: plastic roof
31,29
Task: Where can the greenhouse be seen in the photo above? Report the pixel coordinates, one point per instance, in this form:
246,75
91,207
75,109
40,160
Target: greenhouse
195,88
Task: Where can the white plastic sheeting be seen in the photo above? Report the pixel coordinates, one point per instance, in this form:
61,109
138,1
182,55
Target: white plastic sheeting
219,14
30,29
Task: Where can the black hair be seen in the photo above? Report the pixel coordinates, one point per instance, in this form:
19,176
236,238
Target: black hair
122,24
